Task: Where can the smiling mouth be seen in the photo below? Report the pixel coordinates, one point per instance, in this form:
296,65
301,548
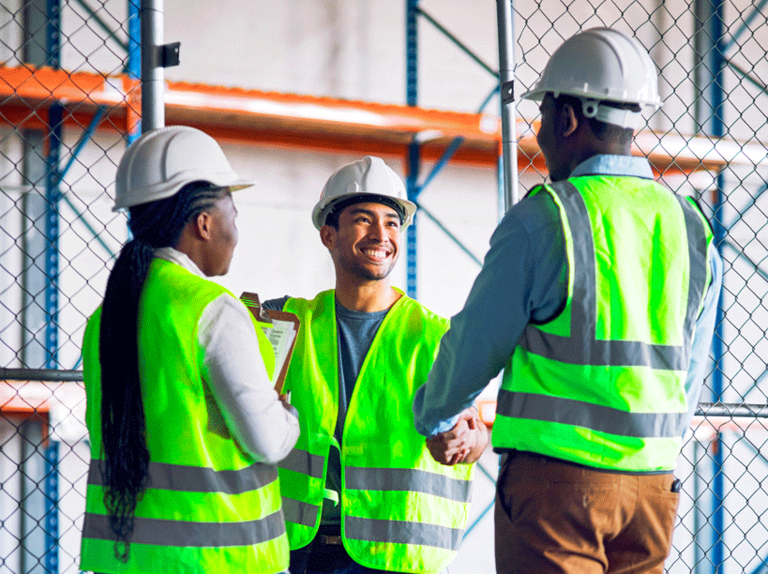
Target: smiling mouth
376,254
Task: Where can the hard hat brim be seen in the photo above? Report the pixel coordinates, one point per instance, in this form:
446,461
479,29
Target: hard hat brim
322,209
228,183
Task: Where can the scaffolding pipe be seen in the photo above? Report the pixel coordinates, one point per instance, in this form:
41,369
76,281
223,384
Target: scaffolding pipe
730,410
718,63
152,74
47,375
507,85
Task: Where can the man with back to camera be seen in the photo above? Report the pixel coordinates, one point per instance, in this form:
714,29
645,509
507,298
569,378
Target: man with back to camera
361,492
598,297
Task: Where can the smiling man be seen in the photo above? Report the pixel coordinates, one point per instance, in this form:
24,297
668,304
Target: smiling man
361,491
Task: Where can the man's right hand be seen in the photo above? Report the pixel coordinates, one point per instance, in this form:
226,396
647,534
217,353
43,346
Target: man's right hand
464,443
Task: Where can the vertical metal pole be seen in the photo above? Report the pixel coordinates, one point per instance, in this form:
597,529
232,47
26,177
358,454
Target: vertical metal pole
697,525
134,53
53,33
34,208
152,72
708,77
53,197
414,162
718,65
34,540
505,23
51,474
414,151
708,109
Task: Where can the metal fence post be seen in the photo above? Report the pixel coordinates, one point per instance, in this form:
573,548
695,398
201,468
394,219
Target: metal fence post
506,32
152,73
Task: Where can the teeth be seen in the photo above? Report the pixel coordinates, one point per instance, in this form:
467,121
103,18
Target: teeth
375,253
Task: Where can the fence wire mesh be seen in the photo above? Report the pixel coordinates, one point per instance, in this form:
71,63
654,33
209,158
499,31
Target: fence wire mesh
62,133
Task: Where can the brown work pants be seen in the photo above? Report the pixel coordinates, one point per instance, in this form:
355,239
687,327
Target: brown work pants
555,517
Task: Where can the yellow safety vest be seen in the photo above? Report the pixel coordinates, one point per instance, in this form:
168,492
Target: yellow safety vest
400,510
208,506
602,384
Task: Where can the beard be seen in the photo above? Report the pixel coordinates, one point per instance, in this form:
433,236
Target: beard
353,266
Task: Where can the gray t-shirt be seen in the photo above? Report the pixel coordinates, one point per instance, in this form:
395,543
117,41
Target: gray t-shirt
355,333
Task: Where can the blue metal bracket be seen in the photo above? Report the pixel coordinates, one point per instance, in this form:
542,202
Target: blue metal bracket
458,43
762,568
749,205
414,189
450,235
447,155
487,508
740,254
747,76
756,11
494,92
478,519
101,24
84,138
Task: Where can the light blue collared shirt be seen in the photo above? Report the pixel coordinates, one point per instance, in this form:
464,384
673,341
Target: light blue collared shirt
524,279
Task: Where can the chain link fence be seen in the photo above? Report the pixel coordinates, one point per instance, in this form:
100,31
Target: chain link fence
69,103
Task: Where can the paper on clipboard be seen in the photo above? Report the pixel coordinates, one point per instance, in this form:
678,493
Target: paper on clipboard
281,328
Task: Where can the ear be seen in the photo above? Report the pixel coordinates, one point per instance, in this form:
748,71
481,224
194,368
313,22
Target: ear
328,235
202,225
570,121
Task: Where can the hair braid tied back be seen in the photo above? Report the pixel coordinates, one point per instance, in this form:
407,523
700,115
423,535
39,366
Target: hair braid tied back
125,465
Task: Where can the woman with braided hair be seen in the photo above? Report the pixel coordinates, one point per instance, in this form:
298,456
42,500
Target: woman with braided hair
185,426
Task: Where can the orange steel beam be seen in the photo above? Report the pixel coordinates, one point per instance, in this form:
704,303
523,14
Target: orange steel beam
309,122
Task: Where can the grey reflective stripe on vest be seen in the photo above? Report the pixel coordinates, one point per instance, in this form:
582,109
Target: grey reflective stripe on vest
179,533
303,462
197,479
300,512
585,349
697,255
408,480
588,415
399,532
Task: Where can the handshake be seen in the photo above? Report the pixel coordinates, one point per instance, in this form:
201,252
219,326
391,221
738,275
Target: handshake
463,444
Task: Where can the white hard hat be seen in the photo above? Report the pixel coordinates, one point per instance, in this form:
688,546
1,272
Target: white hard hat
162,161
369,176
599,65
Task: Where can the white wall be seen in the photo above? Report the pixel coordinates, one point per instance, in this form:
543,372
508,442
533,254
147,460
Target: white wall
353,49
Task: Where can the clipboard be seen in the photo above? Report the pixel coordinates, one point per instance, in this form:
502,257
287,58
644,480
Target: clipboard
281,328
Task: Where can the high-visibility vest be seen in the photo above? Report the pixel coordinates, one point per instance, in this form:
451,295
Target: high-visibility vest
208,507
602,383
400,510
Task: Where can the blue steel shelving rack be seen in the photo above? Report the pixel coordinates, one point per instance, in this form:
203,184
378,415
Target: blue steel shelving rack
53,177
413,187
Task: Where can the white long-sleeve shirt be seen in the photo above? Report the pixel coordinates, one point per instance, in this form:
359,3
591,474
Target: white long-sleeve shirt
262,425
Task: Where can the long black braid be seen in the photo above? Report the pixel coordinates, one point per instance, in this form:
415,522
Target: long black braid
126,458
